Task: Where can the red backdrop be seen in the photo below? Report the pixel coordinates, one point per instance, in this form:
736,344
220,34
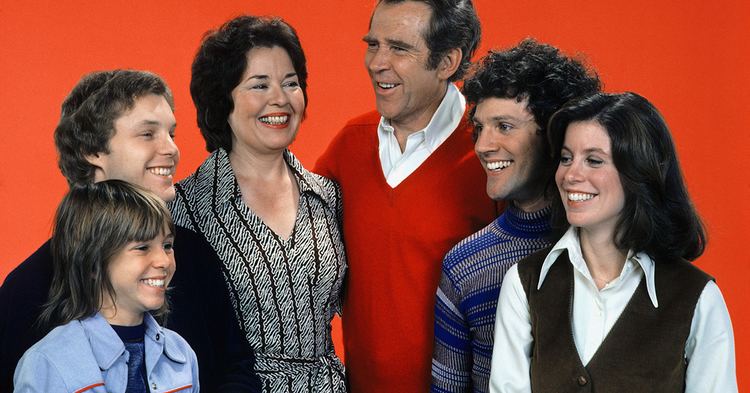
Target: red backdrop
691,58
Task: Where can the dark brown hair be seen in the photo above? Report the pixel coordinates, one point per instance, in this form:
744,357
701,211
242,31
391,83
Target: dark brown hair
658,217
220,62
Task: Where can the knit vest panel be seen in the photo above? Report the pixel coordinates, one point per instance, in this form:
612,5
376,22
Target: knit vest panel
644,350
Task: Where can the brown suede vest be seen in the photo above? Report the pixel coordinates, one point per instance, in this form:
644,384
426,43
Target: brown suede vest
644,350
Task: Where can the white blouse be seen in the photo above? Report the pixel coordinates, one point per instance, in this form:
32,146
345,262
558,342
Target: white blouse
709,348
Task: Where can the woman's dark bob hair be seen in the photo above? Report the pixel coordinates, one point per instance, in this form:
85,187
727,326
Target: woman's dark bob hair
658,216
220,62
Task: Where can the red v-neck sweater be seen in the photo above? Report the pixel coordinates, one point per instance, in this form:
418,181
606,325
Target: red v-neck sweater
396,239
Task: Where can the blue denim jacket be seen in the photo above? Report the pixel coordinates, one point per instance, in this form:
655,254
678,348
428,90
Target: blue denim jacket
87,356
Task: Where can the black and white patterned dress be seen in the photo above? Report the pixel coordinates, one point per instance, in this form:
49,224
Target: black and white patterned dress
284,292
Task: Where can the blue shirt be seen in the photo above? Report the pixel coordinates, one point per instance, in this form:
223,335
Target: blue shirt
87,356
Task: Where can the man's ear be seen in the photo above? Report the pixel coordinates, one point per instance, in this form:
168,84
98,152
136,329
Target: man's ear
95,159
449,63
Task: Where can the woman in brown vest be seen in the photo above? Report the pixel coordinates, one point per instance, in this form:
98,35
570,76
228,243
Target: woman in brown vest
615,305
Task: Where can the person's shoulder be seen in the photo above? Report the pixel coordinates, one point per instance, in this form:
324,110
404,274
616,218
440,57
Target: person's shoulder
62,345
37,264
64,352
361,126
200,188
26,287
204,169
470,246
691,279
368,119
328,189
689,268
359,133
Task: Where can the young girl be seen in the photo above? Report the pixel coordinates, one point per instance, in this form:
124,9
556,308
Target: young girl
616,305
113,260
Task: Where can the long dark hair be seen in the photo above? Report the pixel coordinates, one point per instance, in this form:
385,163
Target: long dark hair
658,216
93,223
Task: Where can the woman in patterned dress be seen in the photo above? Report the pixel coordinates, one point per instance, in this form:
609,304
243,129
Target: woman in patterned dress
274,226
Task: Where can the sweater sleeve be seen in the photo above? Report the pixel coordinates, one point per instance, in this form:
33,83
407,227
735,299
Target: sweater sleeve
452,356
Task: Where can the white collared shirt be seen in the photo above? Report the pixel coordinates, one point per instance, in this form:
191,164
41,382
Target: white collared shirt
398,165
709,348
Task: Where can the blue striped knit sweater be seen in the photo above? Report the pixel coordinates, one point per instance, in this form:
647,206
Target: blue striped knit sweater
467,297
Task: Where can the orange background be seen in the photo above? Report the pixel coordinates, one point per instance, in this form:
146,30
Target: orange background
690,58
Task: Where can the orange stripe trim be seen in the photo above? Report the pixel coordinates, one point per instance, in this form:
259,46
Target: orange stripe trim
89,387
178,389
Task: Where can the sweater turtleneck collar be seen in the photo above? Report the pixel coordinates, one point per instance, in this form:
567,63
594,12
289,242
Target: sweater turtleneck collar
523,224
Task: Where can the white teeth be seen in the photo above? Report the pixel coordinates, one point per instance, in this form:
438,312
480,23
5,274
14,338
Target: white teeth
161,171
154,283
578,196
495,165
386,85
275,120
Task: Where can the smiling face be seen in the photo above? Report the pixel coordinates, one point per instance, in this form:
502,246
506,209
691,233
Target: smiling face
407,92
140,273
142,150
268,103
588,180
510,147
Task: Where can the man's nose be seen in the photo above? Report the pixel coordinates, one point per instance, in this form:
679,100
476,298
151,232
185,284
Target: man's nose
377,60
168,147
485,141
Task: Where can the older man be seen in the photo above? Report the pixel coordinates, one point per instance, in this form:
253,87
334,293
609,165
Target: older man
411,188
514,92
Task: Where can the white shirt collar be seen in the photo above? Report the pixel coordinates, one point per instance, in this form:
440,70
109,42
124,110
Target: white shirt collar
444,121
569,241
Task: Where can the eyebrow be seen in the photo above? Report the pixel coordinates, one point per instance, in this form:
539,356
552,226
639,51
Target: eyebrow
501,118
390,41
265,77
589,150
154,123
394,42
